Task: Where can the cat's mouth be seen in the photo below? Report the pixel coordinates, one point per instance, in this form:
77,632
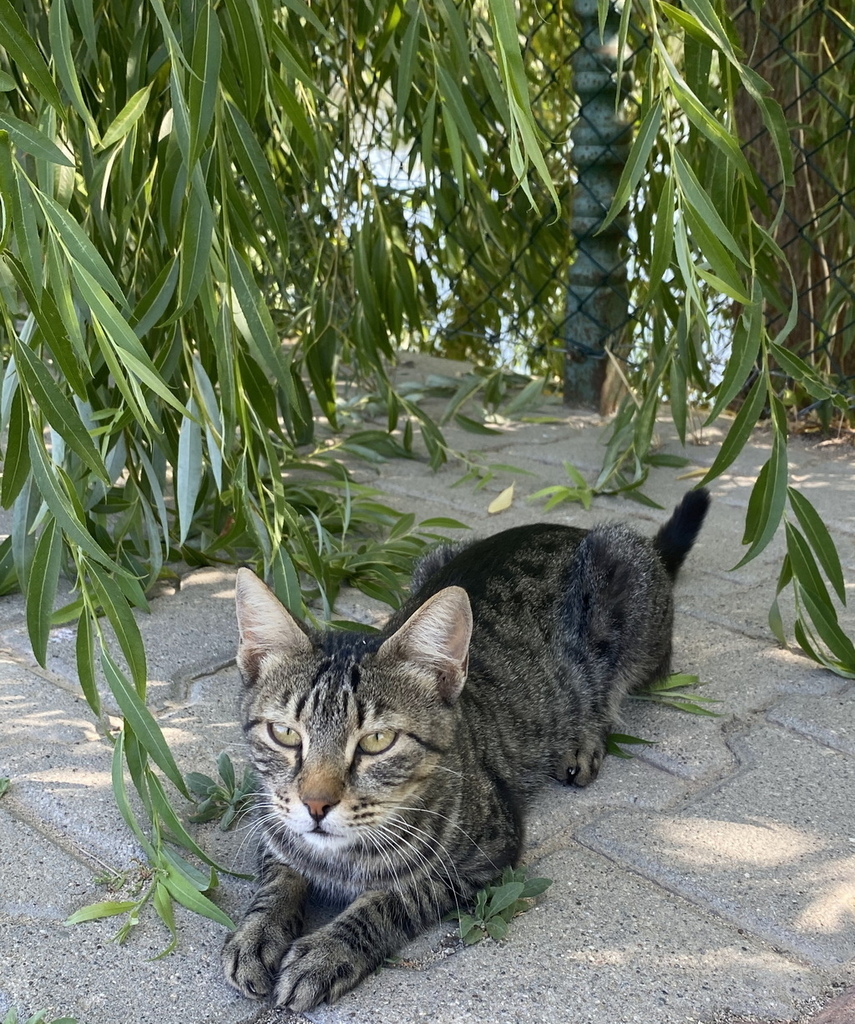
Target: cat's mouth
321,831
322,839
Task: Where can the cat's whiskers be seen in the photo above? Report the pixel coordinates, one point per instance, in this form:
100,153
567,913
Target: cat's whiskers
266,816
376,840
256,823
454,824
434,844
382,829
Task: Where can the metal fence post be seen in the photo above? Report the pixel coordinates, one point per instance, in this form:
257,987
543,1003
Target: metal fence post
597,299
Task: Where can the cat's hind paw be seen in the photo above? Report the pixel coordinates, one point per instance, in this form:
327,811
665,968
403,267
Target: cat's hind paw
252,954
318,968
583,765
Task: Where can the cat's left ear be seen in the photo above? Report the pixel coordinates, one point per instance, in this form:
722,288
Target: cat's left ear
265,626
437,637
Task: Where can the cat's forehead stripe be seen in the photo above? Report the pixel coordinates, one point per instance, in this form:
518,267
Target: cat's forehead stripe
356,645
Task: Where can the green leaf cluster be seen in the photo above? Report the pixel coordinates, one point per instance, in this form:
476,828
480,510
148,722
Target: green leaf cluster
498,904
225,801
810,561
555,494
37,1018
665,691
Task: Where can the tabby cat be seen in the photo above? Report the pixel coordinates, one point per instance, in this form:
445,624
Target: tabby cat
395,767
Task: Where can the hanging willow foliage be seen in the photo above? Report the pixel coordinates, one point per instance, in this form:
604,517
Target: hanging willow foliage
195,233
708,264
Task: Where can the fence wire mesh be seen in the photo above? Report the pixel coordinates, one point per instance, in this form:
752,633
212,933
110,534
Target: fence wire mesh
806,52
502,295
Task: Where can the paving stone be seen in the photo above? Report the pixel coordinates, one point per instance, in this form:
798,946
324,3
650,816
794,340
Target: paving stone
87,975
743,674
92,979
829,720
59,767
601,947
771,848
558,811
687,746
188,633
274,1017
28,862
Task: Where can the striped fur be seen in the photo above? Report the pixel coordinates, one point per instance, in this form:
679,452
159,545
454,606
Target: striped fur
507,666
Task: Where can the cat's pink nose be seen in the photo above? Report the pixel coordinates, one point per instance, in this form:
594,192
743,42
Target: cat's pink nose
318,808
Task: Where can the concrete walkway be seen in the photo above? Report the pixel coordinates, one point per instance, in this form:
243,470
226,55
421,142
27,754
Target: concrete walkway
710,878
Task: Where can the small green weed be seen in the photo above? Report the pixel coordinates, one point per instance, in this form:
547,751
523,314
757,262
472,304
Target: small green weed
484,472
615,742
5,782
138,885
37,1018
497,904
664,692
228,800
581,491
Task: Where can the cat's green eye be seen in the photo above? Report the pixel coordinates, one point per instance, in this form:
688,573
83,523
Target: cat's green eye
377,742
284,735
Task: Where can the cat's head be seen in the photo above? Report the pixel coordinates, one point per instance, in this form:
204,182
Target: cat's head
348,729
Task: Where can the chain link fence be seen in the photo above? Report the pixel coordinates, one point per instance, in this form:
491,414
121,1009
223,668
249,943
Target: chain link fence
499,302
806,52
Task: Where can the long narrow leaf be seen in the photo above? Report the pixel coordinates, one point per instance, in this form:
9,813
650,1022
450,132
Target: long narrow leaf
97,911
829,629
186,894
819,539
58,410
41,588
85,661
46,312
18,196
16,453
636,163
120,795
767,502
61,50
740,430
171,820
17,42
205,71
125,626
47,479
32,141
142,722
189,469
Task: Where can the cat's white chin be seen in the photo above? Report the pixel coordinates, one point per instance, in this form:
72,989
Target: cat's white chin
325,842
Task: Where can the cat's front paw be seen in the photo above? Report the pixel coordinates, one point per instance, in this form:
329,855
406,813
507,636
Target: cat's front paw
252,954
318,968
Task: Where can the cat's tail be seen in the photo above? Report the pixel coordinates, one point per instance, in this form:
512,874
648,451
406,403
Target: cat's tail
675,539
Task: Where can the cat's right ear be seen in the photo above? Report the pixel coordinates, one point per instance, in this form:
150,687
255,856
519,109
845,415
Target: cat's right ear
265,626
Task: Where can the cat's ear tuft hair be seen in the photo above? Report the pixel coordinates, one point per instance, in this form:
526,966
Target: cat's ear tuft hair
265,626
437,637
